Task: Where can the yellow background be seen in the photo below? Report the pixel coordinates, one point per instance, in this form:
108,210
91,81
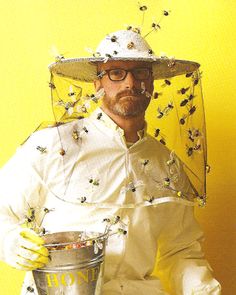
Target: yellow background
197,30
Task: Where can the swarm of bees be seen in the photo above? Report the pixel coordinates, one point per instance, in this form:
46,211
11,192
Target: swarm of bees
34,218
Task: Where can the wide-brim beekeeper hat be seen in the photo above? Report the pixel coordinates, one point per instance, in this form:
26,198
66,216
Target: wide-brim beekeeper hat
175,115
125,45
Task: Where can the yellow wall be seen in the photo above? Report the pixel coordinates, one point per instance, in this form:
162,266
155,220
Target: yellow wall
197,30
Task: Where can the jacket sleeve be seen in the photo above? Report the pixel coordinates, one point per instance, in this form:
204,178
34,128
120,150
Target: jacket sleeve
19,190
181,261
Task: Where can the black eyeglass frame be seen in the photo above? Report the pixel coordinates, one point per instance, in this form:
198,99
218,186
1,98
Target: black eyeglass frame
107,72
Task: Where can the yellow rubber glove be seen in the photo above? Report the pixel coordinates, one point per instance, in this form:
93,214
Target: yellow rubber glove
24,250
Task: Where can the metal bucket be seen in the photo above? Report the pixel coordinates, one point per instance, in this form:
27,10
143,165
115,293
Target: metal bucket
76,267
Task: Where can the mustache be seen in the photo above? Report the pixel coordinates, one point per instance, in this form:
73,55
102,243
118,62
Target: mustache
129,93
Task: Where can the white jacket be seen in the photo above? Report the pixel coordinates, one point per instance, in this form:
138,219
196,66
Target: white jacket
115,180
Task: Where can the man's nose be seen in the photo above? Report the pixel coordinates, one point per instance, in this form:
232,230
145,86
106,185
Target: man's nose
129,81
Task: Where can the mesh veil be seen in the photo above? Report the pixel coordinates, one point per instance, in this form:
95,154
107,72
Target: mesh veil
175,117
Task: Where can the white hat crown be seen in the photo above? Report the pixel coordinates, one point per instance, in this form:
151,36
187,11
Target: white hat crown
124,43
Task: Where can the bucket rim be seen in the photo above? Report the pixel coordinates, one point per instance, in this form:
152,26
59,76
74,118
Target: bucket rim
101,236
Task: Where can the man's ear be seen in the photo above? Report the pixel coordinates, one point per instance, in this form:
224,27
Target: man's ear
97,85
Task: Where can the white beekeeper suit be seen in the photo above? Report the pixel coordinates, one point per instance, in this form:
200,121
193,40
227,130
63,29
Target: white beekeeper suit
115,178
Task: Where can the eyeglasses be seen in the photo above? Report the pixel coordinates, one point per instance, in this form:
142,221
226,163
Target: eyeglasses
120,74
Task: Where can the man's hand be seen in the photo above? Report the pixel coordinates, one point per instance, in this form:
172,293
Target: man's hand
24,250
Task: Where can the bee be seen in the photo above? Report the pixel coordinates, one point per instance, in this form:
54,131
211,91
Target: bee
162,140
166,83
195,81
112,38
179,194
107,56
58,57
188,75
132,187
170,105
85,129
113,220
183,119
122,231
96,54
30,218
192,110
75,135
150,51
144,91
142,7
95,97
197,146
166,182
150,199
192,134
157,132
29,289
166,13
83,108
99,116
72,94
190,151
145,162
143,87
101,74
191,96
171,62
42,150
115,52
183,90
156,26
208,168
201,200
67,105
171,161
98,245
134,29
51,85
82,199
196,77
130,45
46,210
43,231
184,102
165,111
156,94
160,112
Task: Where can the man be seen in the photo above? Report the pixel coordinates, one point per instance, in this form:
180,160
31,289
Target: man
87,171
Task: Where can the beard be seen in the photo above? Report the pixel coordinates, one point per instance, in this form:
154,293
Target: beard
127,103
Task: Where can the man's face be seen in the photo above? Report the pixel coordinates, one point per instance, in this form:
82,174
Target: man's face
126,98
